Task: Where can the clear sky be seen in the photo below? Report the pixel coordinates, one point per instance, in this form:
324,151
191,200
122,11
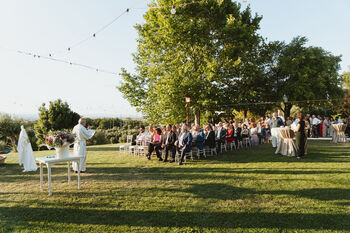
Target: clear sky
48,26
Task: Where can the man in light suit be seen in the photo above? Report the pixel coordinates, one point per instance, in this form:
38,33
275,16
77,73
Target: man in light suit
185,142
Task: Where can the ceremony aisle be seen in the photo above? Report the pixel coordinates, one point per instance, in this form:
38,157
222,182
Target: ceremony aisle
248,190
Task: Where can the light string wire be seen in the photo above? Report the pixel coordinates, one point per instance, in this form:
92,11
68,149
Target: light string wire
279,102
36,55
91,36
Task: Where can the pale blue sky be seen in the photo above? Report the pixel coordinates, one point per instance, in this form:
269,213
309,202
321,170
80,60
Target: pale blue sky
47,26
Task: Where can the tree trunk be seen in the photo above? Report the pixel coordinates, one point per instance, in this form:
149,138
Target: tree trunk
197,117
287,109
245,112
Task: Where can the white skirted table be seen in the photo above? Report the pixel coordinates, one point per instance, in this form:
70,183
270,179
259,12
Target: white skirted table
50,161
286,145
339,133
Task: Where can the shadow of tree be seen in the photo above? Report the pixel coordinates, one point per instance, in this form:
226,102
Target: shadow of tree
156,218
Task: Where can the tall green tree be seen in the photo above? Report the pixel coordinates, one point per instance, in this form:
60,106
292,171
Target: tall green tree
57,117
307,76
192,52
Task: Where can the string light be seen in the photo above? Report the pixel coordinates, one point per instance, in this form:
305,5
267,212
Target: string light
51,58
279,102
94,35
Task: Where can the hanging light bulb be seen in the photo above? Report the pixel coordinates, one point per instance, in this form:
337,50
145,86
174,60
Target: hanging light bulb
173,10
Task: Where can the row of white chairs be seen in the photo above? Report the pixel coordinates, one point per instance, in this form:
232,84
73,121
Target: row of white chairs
141,150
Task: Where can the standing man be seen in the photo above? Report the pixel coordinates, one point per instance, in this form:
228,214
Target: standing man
82,134
315,122
274,123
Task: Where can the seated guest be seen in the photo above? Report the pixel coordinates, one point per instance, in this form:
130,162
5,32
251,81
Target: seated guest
254,134
155,145
200,138
149,136
220,135
184,143
229,137
245,131
141,137
194,132
169,142
210,137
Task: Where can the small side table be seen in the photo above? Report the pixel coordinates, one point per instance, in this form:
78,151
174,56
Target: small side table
49,162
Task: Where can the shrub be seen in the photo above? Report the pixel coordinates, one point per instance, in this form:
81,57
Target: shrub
3,145
99,138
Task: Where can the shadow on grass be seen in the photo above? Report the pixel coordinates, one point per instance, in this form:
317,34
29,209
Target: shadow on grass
167,173
227,192
102,148
175,219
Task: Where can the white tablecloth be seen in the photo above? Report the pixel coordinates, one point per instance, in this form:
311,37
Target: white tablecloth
339,133
286,145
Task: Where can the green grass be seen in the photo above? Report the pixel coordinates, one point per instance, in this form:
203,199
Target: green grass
249,190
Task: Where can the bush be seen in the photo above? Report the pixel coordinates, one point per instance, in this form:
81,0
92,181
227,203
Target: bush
3,145
99,138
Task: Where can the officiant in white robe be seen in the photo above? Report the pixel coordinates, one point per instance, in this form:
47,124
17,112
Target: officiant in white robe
82,134
25,152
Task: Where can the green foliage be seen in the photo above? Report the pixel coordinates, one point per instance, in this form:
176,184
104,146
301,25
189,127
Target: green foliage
345,107
57,117
346,80
99,138
306,73
9,130
3,145
197,52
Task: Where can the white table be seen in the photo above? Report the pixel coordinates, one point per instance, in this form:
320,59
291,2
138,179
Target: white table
49,162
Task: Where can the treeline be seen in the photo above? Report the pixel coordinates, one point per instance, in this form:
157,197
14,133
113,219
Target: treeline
59,116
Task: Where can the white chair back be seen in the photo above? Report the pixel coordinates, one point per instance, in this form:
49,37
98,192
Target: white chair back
129,139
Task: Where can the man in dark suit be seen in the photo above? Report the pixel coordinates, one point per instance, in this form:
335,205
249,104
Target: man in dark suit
237,133
169,143
184,143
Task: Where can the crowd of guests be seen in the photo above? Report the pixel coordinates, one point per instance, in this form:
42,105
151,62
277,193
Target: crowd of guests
181,139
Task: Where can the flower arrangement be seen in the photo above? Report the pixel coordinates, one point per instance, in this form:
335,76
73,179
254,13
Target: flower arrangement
59,138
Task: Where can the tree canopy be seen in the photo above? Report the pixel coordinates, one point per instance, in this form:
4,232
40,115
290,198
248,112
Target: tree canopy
188,54
211,51
57,117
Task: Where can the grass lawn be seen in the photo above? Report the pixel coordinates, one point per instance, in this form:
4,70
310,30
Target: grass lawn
248,190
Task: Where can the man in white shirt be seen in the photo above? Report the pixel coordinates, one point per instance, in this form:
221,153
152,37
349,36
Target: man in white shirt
315,122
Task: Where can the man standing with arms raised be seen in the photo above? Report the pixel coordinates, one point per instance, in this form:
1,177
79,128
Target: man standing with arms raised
82,134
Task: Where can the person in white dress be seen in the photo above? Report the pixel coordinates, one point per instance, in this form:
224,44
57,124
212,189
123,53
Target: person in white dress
82,134
25,152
